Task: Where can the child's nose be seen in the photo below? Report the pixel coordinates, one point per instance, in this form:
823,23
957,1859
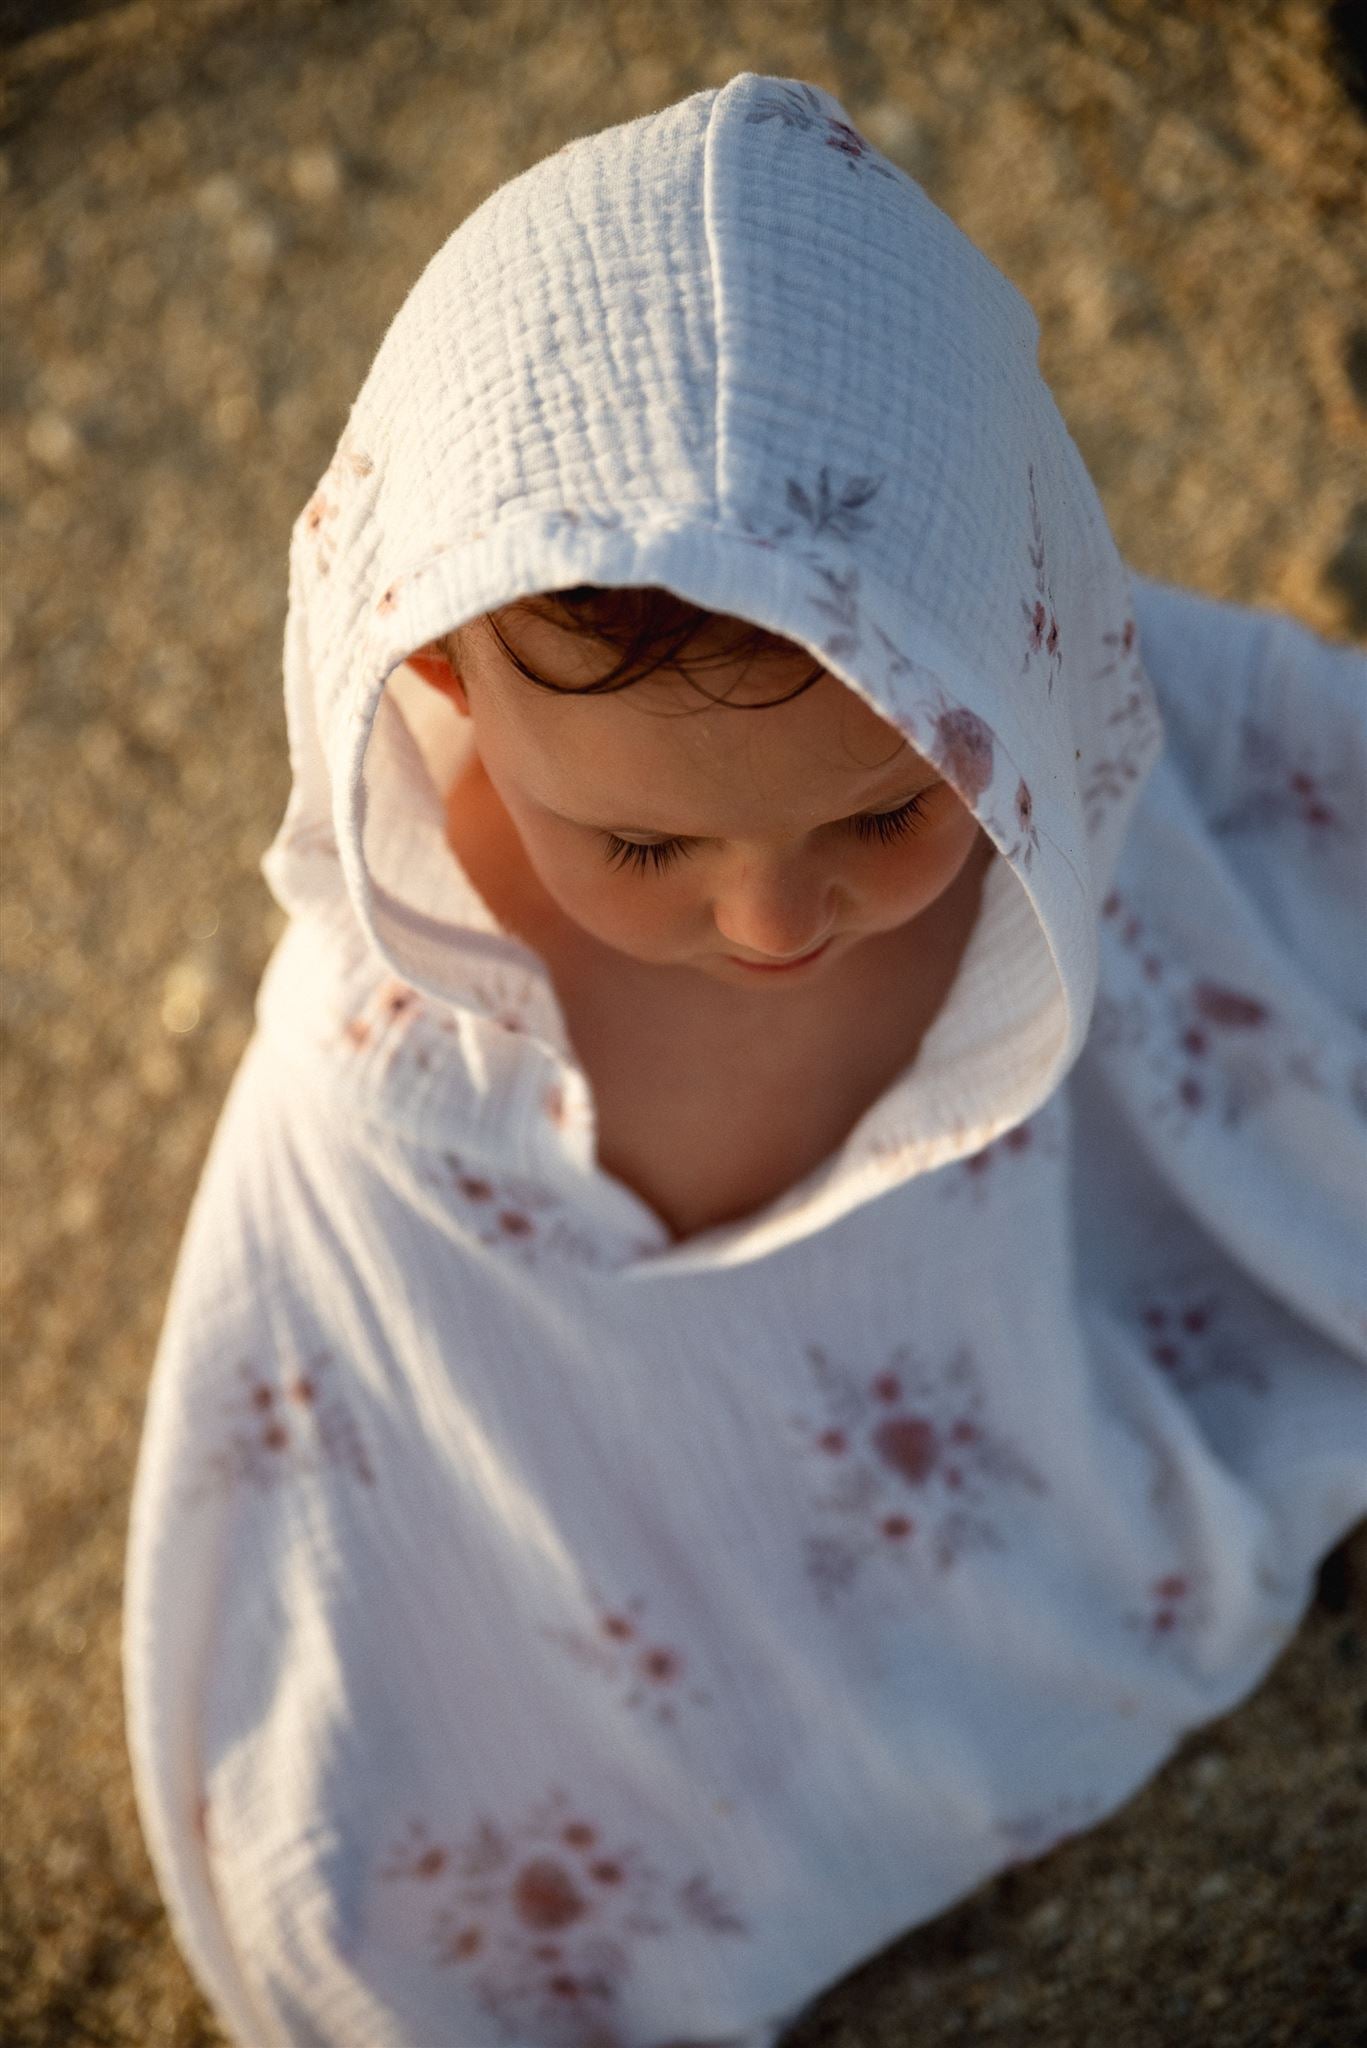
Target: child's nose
772,913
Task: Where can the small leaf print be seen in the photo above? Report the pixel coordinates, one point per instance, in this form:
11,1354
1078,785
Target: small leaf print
797,106
1025,845
840,603
800,107
1041,620
702,1904
827,514
1135,737
601,519
1122,644
1018,841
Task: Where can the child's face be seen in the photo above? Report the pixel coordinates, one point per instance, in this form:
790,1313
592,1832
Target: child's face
774,862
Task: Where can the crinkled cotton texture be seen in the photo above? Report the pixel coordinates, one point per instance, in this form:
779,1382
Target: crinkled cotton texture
542,1632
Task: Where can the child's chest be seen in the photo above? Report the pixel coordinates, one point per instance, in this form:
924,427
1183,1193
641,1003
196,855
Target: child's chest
707,1133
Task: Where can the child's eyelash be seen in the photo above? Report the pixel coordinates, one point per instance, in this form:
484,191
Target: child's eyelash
882,825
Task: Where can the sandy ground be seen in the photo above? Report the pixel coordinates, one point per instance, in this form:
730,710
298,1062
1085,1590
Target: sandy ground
213,210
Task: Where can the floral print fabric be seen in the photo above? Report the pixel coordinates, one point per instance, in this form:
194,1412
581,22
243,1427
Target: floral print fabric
540,1634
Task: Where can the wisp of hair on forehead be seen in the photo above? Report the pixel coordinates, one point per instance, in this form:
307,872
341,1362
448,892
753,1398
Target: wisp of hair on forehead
648,629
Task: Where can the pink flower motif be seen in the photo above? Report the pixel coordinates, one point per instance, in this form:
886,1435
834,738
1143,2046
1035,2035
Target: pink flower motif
1188,1339
1122,645
514,1213
649,1677
1216,1052
397,998
963,748
1172,1609
284,1427
937,1442
391,1000
1274,790
980,1171
542,1916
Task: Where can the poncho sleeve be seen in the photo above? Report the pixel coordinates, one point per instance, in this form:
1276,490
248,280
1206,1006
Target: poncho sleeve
1267,725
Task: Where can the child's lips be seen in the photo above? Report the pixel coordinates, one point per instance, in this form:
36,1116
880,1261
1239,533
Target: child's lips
781,967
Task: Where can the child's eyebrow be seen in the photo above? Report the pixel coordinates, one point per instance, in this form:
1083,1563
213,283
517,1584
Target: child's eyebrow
874,803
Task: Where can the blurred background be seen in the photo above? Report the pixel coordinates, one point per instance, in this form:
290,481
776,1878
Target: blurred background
212,209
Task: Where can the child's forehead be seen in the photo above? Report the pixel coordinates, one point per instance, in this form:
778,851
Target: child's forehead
715,772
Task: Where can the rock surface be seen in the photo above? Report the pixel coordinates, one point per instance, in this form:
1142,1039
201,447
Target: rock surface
214,208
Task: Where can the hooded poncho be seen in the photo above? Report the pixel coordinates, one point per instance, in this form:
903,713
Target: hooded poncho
542,1631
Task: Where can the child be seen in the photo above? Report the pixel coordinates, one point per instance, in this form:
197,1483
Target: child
670,1460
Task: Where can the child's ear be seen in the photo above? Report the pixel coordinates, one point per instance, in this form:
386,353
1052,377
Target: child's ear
435,668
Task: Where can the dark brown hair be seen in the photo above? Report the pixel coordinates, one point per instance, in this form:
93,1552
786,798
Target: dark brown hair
648,628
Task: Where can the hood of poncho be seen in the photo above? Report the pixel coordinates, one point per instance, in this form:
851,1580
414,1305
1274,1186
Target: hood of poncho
663,356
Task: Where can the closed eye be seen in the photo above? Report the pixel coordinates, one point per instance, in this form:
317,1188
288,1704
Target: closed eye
884,826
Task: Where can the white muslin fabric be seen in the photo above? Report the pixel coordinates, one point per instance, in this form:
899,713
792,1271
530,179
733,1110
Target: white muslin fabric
544,1632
